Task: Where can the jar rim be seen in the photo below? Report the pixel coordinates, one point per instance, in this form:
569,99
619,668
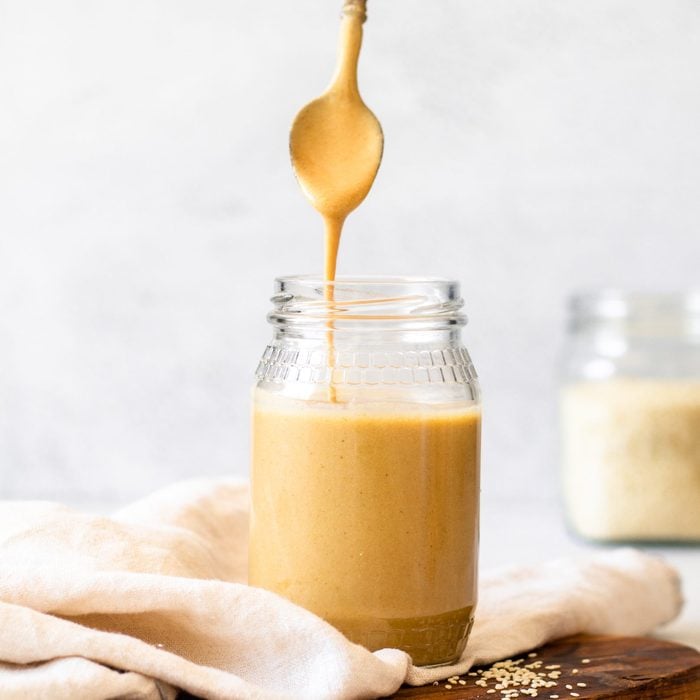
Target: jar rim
620,304
360,299
363,280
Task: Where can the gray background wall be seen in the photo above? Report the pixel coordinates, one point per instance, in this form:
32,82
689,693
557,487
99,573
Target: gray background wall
146,203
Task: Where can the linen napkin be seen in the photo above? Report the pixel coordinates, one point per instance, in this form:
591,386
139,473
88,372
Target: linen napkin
153,600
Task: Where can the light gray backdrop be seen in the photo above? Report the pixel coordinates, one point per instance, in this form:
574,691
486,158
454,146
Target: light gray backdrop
146,203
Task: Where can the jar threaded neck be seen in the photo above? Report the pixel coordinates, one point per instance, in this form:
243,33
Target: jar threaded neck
367,303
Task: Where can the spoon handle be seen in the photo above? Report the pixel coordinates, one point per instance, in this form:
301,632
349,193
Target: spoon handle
357,8
353,17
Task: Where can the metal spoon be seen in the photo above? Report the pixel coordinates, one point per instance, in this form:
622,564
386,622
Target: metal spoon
336,142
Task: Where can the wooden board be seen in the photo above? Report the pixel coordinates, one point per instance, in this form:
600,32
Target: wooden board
618,667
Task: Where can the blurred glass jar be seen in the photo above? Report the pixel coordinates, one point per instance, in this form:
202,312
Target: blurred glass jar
630,417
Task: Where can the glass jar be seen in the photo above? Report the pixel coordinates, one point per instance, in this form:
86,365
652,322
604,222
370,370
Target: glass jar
365,461
630,417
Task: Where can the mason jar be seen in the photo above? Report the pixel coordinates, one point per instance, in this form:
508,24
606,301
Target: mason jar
365,461
630,417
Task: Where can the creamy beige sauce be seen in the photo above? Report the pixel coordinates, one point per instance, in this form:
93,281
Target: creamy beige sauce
367,515
336,142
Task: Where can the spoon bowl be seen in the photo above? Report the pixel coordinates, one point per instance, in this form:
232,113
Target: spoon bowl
336,145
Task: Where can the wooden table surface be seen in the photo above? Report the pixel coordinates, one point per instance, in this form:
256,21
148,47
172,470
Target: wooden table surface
616,667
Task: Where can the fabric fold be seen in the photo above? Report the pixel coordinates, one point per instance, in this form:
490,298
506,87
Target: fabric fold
154,599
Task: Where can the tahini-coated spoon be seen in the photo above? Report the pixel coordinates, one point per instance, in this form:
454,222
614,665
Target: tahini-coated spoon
336,142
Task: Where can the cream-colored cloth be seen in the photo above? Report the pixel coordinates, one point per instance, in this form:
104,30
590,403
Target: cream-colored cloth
153,600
